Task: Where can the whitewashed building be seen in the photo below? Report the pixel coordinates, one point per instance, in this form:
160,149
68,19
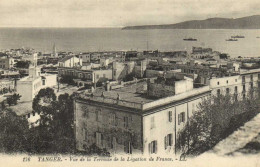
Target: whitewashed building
28,87
70,61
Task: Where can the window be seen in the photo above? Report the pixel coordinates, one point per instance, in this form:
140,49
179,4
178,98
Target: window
218,83
218,92
113,119
168,140
85,113
244,88
33,113
153,147
98,116
235,97
99,139
227,91
43,82
235,80
227,81
128,147
85,134
152,123
113,143
29,115
243,78
181,117
126,122
235,89
251,77
252,85
170,116
244,96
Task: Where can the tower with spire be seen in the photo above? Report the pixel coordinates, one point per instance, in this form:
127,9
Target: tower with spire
54,51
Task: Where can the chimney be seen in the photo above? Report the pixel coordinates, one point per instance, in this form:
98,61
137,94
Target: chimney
107,86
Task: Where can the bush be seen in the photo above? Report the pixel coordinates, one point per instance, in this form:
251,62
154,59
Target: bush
67,79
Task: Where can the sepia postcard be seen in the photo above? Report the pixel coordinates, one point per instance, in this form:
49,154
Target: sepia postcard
130,83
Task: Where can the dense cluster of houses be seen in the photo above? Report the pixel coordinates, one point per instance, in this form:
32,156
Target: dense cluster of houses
138,102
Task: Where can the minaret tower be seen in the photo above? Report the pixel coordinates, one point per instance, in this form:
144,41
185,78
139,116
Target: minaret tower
54,51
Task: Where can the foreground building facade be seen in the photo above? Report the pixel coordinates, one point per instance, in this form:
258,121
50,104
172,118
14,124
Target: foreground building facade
128,121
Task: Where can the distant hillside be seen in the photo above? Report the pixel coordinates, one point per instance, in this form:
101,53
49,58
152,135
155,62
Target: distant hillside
250,22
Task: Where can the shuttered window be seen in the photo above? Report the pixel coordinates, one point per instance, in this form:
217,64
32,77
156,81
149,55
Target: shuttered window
153,147
181,117
99,139
152,123
170,116
113,143
128,148
168,140
126,122
113,119
85,134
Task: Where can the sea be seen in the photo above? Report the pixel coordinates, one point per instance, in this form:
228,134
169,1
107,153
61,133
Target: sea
115,39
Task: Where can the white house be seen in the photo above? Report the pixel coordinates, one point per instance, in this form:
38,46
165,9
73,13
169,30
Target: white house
29,86
70,61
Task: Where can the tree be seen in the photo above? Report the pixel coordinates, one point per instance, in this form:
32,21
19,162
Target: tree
215,119
42,104
9,101
3,105
13,132
129,77
64,116
55,133
67,79
23,64
13,99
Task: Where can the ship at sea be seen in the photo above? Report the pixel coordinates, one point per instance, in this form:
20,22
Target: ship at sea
238,36
190,39
231,39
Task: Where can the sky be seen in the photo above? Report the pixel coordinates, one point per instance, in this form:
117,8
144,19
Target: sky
118,13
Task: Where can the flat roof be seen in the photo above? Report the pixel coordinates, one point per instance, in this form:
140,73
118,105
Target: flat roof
126,93
131,99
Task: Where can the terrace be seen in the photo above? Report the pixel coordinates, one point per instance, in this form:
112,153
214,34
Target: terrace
134,96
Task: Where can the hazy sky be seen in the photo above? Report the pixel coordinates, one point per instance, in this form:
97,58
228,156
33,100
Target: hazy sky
117,13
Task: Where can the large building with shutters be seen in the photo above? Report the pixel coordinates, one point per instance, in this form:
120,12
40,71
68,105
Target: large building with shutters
125,120
239,85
